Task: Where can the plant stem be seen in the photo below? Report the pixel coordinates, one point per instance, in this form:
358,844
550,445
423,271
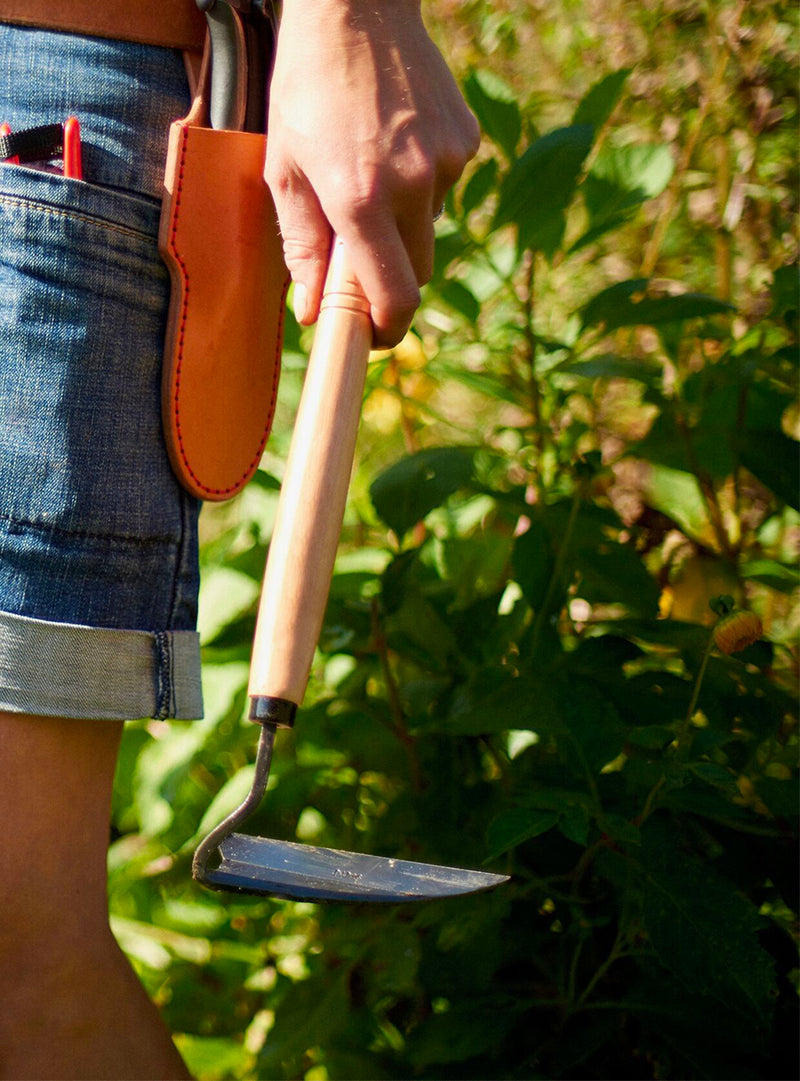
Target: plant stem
558,570
534,390
670,198
683,741
614,955
399,727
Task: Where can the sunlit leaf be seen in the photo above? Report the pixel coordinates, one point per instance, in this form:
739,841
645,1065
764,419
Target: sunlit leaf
479,185
540,186
597,105
412,487
517,825
627,304
493,102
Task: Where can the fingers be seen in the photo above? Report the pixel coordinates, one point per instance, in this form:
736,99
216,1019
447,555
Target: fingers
307,237
391,252
392,255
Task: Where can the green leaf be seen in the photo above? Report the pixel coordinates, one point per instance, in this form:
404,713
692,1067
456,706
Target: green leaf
213,1058
613,573
598,229
620,180
717,776
518,824
597,105
621,829
461,1033
479,185
574,825
782,797
411,488
311,1012
596,731
610,366
603,657
676,493
540,186
663,632
786,293
449,247
457,296
623,177
703,929
492,101
417,629
533,562
496,700
626,305
651,737
394,960
771,573
773,458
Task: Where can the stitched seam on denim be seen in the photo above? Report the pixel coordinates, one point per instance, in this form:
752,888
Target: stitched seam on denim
178,564
33,204
119,538
181,337
164,675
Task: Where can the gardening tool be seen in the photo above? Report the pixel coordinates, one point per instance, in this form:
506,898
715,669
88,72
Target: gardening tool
293,599
294,595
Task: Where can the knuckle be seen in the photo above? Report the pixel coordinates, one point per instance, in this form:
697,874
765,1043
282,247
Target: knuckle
277,177
420,172
472,135
357,195
454,157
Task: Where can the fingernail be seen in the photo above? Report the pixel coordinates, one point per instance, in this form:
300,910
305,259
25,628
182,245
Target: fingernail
300,301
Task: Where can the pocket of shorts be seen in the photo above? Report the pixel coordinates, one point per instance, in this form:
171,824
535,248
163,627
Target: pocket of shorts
83,302
99,203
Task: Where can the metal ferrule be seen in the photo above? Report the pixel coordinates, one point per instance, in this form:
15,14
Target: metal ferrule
265,709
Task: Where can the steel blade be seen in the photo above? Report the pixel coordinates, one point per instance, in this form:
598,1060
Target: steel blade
302,872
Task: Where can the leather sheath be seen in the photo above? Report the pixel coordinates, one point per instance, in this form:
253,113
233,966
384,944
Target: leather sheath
219,238
174,23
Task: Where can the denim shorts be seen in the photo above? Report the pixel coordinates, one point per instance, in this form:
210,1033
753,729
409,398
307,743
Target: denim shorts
98,542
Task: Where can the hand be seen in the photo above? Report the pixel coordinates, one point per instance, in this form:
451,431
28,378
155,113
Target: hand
367,132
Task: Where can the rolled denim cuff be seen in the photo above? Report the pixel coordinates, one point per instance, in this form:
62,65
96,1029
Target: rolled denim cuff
67,670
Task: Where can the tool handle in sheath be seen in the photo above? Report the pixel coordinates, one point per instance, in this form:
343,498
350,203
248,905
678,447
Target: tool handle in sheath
312,500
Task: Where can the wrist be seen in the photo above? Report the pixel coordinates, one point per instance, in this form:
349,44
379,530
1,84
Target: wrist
371,9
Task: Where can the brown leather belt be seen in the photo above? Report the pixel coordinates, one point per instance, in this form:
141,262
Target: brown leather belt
176,24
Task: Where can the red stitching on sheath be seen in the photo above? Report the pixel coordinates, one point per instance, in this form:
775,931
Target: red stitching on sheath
181,338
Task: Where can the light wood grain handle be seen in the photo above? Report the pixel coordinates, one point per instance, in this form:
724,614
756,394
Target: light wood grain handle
312,500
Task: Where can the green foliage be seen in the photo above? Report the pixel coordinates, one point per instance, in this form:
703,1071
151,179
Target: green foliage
559,471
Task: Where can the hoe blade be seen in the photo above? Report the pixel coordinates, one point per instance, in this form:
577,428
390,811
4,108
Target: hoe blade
302,872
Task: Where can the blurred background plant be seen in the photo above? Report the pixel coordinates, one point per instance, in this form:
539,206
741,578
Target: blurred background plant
562,634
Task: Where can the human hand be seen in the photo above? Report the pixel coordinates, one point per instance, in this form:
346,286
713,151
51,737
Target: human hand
367,132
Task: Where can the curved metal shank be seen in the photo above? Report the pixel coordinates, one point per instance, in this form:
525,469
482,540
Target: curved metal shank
211,843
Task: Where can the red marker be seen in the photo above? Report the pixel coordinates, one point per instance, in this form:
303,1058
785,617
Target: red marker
72,149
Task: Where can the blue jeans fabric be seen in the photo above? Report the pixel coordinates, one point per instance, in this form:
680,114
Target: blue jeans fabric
98,542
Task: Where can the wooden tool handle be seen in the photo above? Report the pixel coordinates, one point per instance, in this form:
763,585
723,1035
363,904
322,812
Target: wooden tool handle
313,495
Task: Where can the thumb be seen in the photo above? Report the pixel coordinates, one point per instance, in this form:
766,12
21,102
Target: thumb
307,238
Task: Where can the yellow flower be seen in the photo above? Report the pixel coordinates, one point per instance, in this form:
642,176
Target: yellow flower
737,631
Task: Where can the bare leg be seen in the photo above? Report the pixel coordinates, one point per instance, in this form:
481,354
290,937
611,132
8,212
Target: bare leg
70,1005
